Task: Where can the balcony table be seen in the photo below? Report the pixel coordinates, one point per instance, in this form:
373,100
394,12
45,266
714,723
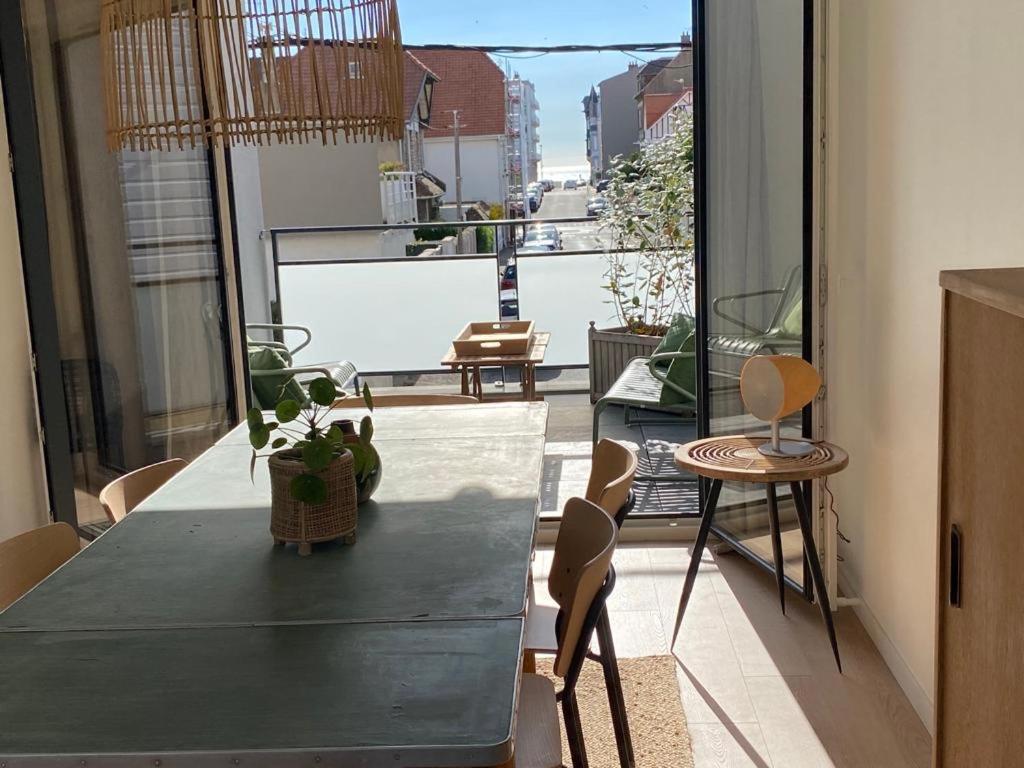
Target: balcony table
469,367
182,636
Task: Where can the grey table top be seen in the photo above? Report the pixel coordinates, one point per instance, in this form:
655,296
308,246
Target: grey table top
433,693
187,596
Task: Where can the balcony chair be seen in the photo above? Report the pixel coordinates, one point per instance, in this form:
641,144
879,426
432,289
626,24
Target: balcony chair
664,382
29,558
611,488
580,581
401,401
274,375
782,335
123,495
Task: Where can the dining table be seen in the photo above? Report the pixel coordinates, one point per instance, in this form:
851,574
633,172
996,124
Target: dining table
183,637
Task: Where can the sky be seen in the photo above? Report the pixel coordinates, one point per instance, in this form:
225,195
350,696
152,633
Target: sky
561,80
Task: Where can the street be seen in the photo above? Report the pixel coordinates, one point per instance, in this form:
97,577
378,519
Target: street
562,204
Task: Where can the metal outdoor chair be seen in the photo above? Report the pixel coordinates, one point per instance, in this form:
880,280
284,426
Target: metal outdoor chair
342,372
580,581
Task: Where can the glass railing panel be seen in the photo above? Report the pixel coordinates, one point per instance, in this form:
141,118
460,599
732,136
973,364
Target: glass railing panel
563,294
387,316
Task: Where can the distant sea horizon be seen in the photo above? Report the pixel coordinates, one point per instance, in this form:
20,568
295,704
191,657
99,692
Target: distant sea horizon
564,172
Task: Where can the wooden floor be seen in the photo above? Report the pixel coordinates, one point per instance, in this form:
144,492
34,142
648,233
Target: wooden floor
760,688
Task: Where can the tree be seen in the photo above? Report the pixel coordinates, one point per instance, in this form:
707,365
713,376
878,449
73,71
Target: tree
649,216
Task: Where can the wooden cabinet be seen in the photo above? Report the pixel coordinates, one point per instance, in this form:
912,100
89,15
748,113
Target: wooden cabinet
979,678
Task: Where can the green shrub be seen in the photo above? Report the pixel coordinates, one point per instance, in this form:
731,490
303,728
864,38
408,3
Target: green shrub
433,234
485,240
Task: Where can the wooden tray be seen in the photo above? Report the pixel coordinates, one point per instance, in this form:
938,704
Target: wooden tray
511,337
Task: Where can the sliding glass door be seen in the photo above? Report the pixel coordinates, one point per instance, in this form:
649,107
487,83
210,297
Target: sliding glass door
754,131
135,258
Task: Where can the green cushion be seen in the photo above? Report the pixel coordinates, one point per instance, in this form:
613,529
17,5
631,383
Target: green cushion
793,322
682,372
682,327
270,390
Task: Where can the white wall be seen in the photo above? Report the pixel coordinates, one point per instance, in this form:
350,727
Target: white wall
22,486
483,166
311,185
925,172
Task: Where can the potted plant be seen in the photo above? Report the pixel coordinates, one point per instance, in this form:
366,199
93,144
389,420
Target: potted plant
650,270
312,471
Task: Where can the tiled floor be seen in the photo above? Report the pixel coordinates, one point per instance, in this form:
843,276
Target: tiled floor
760,688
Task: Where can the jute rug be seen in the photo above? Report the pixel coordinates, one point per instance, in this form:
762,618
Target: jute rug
656,719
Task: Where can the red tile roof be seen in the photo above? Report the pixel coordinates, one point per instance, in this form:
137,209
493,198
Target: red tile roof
330,59
656,105
471,82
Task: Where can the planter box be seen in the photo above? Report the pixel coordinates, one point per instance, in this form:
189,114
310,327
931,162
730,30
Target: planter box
610,350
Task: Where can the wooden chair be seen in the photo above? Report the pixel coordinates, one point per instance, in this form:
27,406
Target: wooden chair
123,495
400,401
581,579
610,487
29,558
612,472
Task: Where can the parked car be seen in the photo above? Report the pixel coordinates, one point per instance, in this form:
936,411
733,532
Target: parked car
509,301
540,237
602,185
569,184
534,199
551,231
548,185
596,205
535,248
509,278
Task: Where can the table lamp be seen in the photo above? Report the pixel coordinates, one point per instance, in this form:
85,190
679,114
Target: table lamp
774,386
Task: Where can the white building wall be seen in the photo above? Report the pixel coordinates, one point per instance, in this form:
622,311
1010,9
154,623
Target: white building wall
483,166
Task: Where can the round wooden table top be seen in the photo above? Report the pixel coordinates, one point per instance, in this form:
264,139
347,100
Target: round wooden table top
736,458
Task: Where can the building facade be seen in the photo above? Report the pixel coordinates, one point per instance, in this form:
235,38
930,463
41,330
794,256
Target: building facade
619,123
472,91
592,115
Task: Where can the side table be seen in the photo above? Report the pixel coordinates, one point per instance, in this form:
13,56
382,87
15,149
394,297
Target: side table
736,458
470,365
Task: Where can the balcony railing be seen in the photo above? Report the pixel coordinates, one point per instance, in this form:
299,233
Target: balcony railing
419,303
398,197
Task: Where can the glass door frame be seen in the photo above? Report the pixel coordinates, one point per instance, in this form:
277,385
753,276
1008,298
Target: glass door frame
808,261
34,236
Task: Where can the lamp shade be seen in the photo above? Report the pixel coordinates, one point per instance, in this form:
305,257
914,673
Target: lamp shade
774,386
187,73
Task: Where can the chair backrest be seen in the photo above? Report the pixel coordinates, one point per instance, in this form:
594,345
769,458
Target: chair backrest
29,558
612,472
583,554
398,401
126,493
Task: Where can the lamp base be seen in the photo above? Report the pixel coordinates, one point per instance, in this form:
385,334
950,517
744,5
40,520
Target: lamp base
786,449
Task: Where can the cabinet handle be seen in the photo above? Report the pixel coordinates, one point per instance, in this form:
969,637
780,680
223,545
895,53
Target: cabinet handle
956,547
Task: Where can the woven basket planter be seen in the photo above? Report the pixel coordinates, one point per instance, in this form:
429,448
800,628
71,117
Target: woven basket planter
306,524
611,349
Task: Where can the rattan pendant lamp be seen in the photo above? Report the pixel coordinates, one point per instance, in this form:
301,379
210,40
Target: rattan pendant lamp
191,73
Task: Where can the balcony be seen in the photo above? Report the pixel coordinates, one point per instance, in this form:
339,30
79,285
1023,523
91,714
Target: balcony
398,197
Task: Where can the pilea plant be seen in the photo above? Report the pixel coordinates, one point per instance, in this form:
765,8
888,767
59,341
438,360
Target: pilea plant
305,434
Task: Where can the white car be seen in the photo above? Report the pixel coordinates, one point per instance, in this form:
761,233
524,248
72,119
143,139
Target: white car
534,248
540,238
550,231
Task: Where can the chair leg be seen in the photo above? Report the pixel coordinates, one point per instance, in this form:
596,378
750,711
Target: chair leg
613,685
574,730
811,551
773,524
